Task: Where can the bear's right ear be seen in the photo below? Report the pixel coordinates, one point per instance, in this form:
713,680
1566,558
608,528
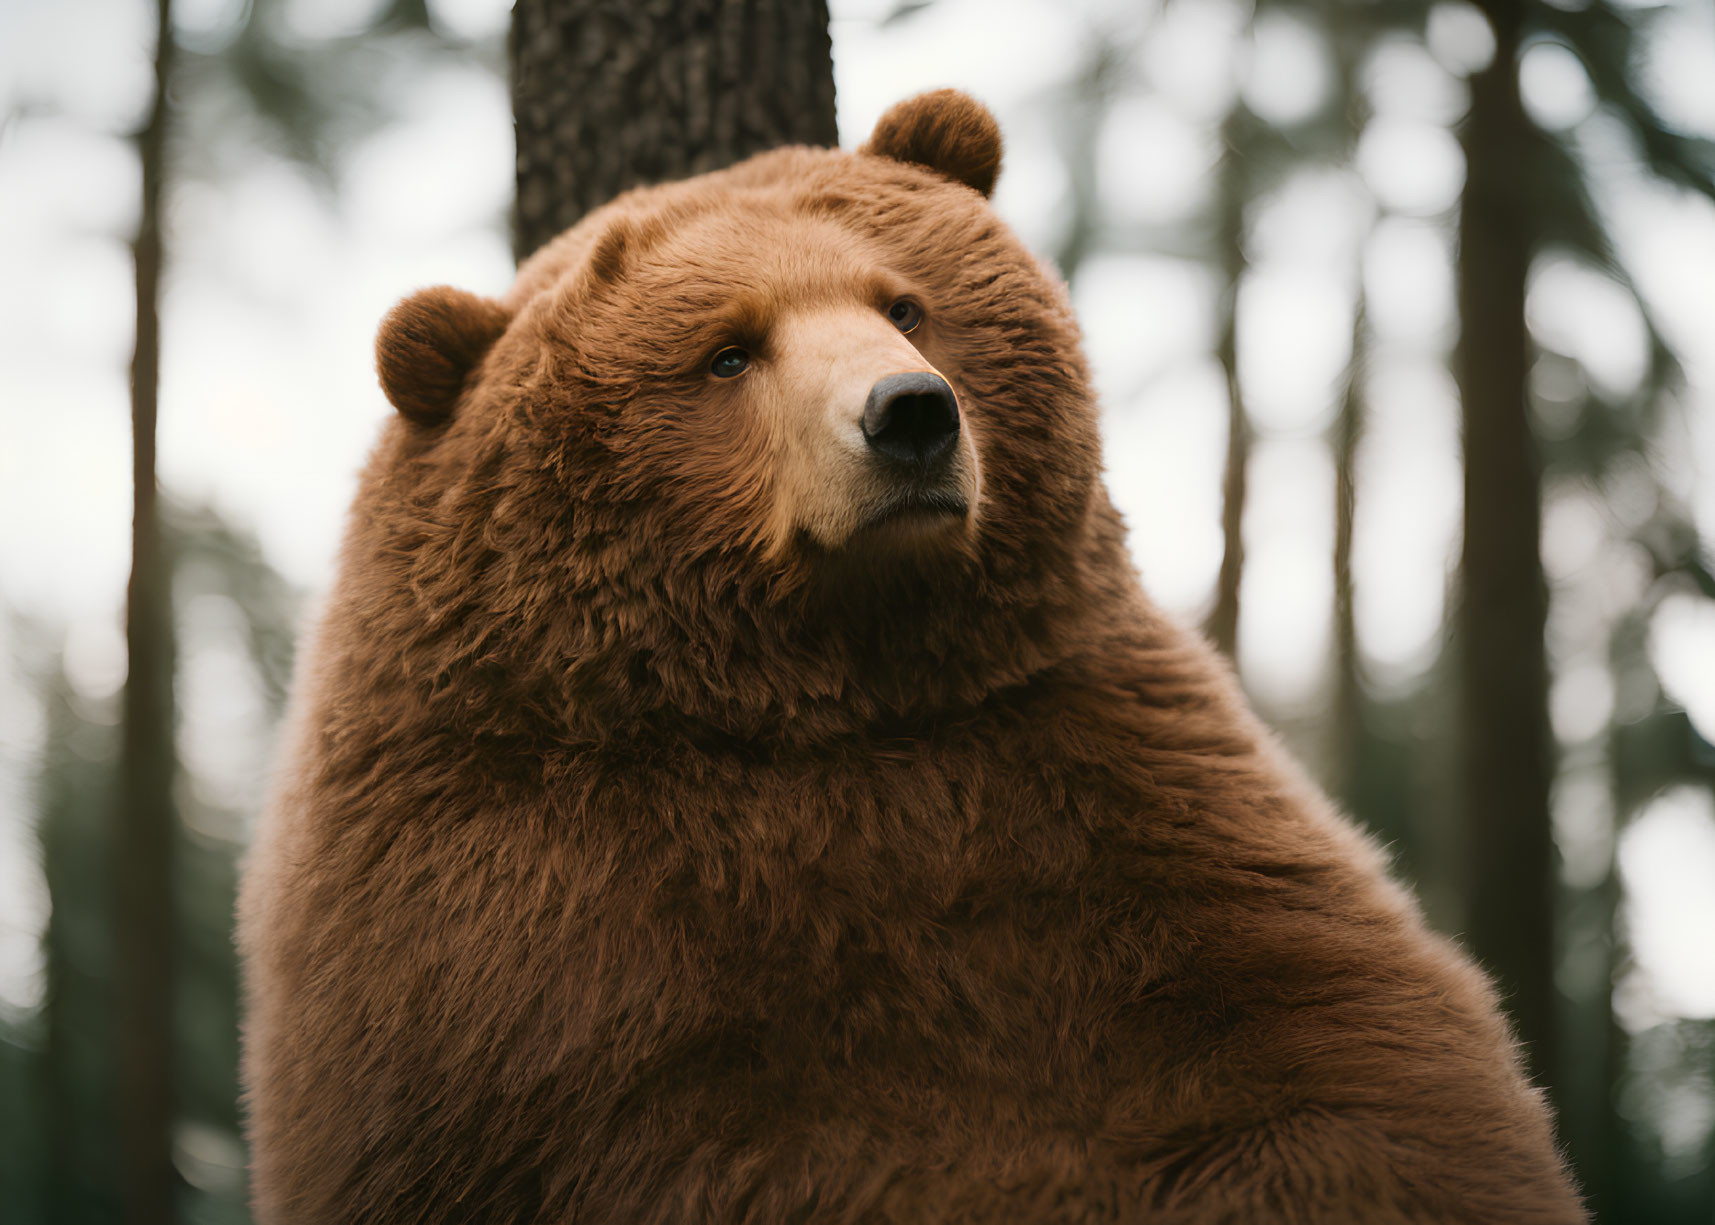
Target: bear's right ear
943,130
429,344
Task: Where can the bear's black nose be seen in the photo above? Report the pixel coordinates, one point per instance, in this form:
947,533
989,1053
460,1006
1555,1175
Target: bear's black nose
912,418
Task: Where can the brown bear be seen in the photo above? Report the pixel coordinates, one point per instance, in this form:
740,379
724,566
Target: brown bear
737,777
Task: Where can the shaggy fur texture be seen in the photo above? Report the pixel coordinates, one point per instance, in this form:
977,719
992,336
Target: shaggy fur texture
650,847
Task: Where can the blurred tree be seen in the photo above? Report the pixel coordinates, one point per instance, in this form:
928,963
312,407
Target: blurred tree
1619,1101
80,1176
63,1104
1507,758
143,813
1349,113
1348,714
609,95
1255,155
235,608
302,93
1235,188
1525,191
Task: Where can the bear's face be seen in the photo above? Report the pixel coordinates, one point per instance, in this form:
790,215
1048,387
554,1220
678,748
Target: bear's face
820,404
774,363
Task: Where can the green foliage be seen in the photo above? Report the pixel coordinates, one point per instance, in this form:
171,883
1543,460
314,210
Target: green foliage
58,1066
75,1070
257,86
1605,37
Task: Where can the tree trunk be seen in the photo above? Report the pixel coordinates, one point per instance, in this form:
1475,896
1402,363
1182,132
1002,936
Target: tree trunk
1233,190
613,94
1507,756
144,816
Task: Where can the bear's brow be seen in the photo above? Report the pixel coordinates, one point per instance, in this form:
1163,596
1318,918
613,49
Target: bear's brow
747,314
701,315
709,287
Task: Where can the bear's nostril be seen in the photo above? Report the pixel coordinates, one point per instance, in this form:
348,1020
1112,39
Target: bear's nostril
912,418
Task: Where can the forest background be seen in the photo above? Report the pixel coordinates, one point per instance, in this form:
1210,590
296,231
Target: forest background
1403,316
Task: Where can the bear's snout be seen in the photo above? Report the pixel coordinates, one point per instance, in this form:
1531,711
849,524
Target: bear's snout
911,418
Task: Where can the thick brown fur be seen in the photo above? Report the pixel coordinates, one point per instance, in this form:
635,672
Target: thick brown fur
946,131
429,344
652,844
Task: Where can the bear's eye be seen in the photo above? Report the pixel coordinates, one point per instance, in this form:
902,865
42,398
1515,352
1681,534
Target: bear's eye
729,363
905,315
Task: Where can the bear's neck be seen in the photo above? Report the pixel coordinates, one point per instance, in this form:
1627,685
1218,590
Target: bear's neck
710,655
896,651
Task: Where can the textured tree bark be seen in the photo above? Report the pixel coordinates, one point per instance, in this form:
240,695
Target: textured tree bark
1507,755
613,94
143,810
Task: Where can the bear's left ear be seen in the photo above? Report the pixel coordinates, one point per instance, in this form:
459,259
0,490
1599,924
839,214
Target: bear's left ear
429,344
945,131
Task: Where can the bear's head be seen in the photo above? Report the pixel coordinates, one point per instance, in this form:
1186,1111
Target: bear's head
799,442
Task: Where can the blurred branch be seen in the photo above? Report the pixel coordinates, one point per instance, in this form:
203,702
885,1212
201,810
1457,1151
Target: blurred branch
306,100
1605,39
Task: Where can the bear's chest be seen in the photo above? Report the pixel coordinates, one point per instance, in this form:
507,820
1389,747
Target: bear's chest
935,937
892,884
